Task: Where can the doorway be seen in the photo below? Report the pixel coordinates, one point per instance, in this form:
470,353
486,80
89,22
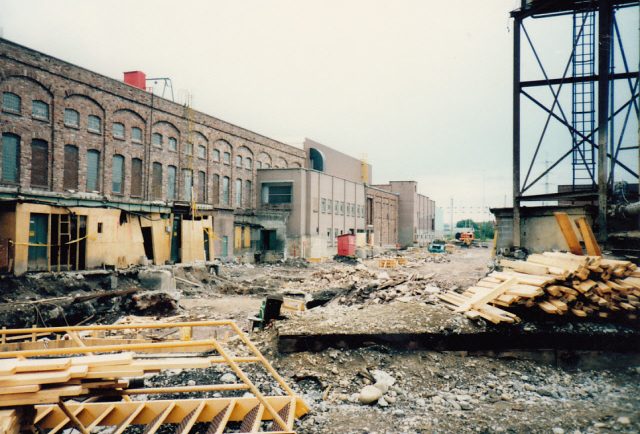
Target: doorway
207,253
175,240
147,239
38,242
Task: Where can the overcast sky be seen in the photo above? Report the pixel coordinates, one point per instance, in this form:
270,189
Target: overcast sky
422,88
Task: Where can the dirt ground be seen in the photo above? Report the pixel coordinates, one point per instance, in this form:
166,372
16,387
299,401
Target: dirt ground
439,392
424,391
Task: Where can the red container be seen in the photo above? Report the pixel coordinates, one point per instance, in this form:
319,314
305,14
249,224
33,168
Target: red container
136,78
346,245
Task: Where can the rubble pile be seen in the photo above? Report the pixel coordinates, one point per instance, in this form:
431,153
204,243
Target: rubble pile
384,289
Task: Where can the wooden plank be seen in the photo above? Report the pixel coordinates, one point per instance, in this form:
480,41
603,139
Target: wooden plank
524,267
47,396
8,367
568,233
483,298
29,378
103,359
39,365
187,423
28,388
125,423
588,237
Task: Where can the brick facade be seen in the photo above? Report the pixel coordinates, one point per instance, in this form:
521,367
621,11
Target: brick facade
35,76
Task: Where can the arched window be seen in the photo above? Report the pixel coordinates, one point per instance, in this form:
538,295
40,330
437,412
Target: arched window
40,110
216,189
93,170
94,124
70,176
173,144
39,163
171,182
136,177
117,174
187,185
10,158
136,135
202,187
156,139
11,102
225,190
71,118
248,187
117,130
238,188
156,181
215,155
248,163
317,160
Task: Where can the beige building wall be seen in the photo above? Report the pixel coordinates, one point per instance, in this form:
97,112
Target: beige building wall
382,217
322,207
339,164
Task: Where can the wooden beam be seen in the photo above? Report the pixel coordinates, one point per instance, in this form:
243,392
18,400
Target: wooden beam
590,242
568,233
483,298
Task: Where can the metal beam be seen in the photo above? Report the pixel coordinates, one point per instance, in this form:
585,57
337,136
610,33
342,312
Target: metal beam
605,25
588,78
516,132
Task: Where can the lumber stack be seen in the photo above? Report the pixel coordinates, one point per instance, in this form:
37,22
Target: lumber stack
556,283
40,381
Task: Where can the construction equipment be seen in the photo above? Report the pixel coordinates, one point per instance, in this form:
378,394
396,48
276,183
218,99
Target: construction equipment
465,238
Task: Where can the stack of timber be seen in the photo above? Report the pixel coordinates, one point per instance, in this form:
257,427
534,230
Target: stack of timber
556,283
51,388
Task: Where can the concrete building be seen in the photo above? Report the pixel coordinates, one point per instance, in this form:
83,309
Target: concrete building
416,213
382,217
97,172
332,162
320,208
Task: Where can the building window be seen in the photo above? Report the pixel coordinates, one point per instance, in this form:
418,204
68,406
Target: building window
136,177
188,149
215,188
173,144
323,205
215,155
202,187
93,169
248,163
10,158
238,192
39,163
136,135
248,187
71,118
225,190
171,182
226,158
156,139
267,166
156,185
70,176
238,161
11,102
117,174
259,164
95,124
117,129
187,178
276,194
40,110
202,152
329,206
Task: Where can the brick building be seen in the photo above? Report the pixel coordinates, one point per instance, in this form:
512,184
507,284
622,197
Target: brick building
382,217
178,184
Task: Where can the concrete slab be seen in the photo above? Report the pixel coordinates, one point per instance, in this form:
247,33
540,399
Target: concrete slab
433,327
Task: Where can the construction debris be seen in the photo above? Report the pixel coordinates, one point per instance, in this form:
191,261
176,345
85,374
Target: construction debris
556,283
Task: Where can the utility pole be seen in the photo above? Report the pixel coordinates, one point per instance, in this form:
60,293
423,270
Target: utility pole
451,224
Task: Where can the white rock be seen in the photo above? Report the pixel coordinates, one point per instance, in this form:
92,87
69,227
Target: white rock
228,378
383,403
557,430
383,275
369,394
624,420
382,386
383,377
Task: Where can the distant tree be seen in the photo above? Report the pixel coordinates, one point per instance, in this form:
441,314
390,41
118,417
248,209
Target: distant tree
482,230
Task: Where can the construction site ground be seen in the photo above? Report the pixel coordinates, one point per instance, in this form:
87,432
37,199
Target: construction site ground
433,391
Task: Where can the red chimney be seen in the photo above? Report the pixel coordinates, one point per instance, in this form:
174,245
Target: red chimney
136,79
